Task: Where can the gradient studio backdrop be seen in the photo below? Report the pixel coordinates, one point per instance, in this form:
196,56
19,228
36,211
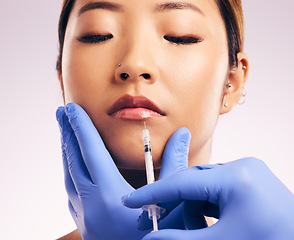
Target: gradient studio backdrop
33,199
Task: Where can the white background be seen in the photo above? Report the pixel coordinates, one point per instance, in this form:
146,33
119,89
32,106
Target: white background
33,199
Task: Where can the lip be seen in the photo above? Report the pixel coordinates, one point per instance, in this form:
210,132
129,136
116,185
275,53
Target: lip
135,108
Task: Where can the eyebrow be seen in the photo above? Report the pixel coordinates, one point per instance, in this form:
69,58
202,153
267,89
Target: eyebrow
100,5
177,5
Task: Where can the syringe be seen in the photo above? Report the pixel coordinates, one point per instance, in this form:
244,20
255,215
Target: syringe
153,210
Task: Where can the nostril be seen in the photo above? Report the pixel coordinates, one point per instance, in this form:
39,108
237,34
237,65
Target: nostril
146,75
124,76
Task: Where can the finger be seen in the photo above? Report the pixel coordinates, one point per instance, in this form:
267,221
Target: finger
74,168
189,184
97,159
73,212
175,156
69,185
173,234
174,219
169,234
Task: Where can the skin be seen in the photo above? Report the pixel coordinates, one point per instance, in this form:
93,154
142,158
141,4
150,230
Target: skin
187,81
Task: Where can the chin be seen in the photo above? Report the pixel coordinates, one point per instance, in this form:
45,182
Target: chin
123,140
133,158
134,161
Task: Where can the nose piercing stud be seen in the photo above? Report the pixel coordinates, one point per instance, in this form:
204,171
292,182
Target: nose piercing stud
119,64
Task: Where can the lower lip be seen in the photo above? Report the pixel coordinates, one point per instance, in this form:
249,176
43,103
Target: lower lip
135,114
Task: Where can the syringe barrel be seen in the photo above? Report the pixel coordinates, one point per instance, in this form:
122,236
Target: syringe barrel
148,157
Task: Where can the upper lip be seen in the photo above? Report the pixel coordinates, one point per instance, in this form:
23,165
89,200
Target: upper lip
128,101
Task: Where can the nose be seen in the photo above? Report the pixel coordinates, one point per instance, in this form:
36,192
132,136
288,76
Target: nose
137,64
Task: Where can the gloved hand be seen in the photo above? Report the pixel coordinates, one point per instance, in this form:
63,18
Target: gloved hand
94,184
250,202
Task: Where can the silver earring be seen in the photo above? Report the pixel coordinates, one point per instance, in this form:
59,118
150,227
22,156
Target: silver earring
244,67
229,85
226,104
243,98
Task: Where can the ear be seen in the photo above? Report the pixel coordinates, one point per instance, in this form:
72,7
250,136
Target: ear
235,84
59,74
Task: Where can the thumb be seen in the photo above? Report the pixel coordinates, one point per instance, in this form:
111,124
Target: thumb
95,156
175,155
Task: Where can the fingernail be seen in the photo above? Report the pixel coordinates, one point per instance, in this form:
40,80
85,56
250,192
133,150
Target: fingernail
124,198
59,112
185,138
59,117
69,108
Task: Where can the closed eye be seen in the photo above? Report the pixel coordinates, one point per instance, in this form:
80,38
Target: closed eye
94,38
185,40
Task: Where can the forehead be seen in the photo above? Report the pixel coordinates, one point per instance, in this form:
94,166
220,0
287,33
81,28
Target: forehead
207,8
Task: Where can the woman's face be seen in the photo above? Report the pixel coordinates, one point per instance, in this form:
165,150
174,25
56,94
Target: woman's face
164,63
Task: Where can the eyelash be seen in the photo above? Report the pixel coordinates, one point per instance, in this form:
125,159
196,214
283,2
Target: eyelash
185,40
95,38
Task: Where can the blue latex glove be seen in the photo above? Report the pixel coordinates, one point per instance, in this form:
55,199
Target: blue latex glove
94,184
250,202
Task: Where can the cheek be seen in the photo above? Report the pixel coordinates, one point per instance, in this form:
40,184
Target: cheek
88,81
197,88
85,74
